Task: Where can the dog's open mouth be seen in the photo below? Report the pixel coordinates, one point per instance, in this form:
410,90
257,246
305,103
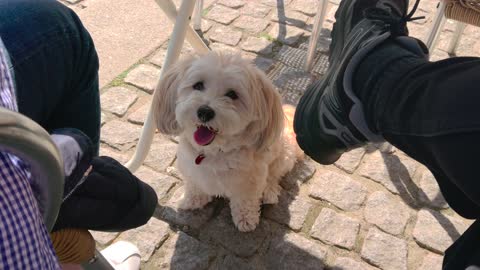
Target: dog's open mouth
204,135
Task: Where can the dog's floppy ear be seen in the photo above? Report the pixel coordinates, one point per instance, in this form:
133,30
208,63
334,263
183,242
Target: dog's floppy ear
165,97
268,106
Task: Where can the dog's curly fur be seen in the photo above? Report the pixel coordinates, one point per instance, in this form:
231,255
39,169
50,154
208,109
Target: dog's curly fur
250,152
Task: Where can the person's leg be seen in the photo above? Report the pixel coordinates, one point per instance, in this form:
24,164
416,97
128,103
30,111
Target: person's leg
431,113
55,65
380,85
56,75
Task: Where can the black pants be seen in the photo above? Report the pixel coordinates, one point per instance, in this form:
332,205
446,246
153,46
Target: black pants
55,65
431,111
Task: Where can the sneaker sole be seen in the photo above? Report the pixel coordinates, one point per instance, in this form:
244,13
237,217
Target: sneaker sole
326,146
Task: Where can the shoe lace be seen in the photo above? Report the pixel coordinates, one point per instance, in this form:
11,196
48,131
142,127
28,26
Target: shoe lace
397,25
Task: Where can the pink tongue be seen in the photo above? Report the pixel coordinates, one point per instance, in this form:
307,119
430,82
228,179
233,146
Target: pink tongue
203,135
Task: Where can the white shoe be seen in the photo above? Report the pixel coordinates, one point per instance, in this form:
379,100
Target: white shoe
122,256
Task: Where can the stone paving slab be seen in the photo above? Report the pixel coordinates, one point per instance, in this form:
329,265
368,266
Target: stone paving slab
369,210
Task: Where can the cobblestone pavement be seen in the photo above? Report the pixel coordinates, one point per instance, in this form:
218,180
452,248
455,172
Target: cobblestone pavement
370,210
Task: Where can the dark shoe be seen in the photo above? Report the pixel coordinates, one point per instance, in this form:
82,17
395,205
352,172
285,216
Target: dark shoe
110,198
330,119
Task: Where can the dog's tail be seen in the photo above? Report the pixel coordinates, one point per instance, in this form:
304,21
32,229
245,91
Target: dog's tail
289,133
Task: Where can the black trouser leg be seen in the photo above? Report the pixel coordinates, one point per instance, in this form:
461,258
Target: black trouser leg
431,111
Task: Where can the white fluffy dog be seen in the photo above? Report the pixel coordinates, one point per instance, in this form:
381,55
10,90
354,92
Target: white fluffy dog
230,121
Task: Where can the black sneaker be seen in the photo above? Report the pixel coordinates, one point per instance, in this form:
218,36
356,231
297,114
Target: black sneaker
329,119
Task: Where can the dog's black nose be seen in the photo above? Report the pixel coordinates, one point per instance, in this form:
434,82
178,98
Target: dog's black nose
205,113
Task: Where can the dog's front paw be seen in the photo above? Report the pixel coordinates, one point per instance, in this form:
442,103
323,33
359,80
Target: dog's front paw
246,223
194,201
246,219
271,193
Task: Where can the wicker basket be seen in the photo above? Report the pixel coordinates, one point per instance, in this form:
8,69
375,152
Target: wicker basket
466,11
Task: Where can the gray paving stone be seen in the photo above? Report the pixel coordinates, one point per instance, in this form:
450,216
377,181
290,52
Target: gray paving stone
308,7
144,77
438,55
345,263
436,231
323,43
257,45
255,10
192,219
251,24
427,6
102,119
225,35
301,173
140,115
118,156
148,237
161,154
182,251
290,210
220,47
232,262
222,14
392,171
338,189
350,160
320,65
206,25
286,34
291,57
291,82
173,171
159,57
104,238
120,135
117,100
432,262
289,17
429,192
276,3
418,30
124,32
232,3
385,251
223,232
387,212
335,229
161,183
263,63
292,251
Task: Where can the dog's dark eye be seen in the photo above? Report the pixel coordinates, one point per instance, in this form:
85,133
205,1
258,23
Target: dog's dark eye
231,94
198,86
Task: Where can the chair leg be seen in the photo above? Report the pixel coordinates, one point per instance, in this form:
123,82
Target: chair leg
192,37
197,16
437,26
173,52
317,26
456,37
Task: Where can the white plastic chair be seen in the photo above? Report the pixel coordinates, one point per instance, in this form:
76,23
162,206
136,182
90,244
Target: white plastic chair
181,31
462,11
437,27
